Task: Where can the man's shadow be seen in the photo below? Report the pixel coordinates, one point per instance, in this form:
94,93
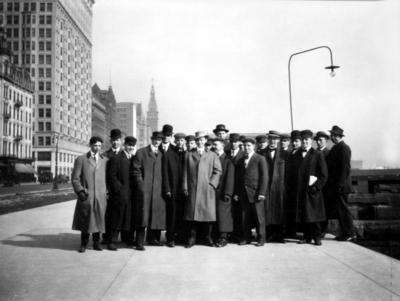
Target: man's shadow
60,241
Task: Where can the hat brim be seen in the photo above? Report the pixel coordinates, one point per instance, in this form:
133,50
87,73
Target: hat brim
202,136
219,130
336,133
167,133
274,135
321,136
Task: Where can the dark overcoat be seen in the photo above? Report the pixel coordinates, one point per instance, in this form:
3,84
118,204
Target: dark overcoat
310,207
325,151
148,202
120,192
338,162
226,186
200,178
90,176
275,206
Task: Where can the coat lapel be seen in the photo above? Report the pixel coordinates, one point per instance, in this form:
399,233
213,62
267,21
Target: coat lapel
151,153
90,159
195,156
125,158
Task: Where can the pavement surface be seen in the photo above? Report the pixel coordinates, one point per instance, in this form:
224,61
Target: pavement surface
39,261
30,187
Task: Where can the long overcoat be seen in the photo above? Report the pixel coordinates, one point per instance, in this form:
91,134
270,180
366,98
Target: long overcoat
200,178
118,179
149,204
275,206
226,186
90,176
310,207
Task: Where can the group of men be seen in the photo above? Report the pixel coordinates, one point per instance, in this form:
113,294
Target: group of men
276,183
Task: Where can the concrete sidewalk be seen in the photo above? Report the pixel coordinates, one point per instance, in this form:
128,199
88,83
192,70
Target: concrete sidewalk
39,261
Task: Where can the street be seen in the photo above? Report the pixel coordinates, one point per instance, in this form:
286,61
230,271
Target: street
28,187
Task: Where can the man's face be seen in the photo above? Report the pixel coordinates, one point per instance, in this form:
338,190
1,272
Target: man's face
235,144
130,147
306,142
296,143
248,147
218,147
95,148
116,142
156,142
180,142
220,134
200,142
263,145
166,138
191,144
208,146
336,138
321,142
241,146
285,144
273,141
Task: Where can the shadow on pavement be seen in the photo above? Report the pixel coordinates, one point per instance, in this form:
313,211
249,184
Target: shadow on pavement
60,241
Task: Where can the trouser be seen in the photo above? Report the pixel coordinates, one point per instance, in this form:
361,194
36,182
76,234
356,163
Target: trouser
194,227
129,236
237,219
344,216
312,231
223,235
153,234
85,237
253,213
275,231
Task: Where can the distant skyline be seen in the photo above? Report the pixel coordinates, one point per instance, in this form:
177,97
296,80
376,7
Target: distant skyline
227,62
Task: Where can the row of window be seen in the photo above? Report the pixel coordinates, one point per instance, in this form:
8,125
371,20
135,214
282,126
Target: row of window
62,157
13,129
17,114
14,19
16,149
26,59
26,7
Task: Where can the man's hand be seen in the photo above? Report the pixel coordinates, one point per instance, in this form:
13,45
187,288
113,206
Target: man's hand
168,195
236,198
227,198
261,198
185,193
313,190
82,196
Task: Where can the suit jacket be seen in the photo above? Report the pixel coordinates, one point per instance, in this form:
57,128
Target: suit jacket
90,176
171,148
240,154
339,167
253,180
108,154
325,151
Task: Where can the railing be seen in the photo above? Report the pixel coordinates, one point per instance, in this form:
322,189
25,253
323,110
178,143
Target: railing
6,115
18,138
18,103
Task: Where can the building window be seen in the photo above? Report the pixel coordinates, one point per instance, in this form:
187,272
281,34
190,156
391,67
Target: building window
40,141
50,7
48,32
41,85
48,20
42,6
16,19
16,6
41,59
48,140
41,99
48,112
48,126
48,59
16,32
33,6
44,156
28,45
48,46
9,19
48,72
41,113
41,20
40,126
41,32
41,46
41,72
33,69
15,59
48,99
33,22
28,59
33,45
48,86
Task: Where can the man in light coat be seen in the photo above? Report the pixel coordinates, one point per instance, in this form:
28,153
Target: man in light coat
200,178
89,183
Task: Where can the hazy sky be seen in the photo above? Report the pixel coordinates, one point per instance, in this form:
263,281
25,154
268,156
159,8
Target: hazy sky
227,62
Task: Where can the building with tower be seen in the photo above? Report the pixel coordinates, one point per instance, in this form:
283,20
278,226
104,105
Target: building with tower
152,113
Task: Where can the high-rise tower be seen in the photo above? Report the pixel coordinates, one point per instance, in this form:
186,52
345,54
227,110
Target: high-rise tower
152,113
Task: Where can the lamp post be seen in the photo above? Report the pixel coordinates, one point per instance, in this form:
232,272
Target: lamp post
55,183
332,67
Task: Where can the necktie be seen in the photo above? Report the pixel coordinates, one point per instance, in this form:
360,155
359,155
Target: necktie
272,149
233,153
94,158
319,148
155,152
304,150
115,151
246,156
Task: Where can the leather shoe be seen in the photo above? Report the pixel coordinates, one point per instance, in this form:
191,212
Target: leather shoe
260,243
112,247
171,244
82,249
140,247
190,243
209,242
318,242
323,234
222,242
304,241
97,247
155,243
270,239
243,242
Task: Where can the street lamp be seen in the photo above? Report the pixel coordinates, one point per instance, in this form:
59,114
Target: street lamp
55,144
332,67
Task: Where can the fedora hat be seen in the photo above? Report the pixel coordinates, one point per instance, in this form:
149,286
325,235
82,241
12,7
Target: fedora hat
115,134
274,134
157,135
306,134
220,127
336,131
167,130
261,138
321,134
242,137
295,135
200,134
219,139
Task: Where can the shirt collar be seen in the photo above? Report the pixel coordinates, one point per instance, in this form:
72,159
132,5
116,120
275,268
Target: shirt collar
128,154
92,154
153,148
200,150
165,145
251,154
115,149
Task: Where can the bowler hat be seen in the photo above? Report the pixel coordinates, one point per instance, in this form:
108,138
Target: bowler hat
306,134
220,127
189,138
180,136
167,129
242,137
251,140
336,130
234,137
274,134
321,134
115,134
285,137
130,140
95,139
261,138
157,135
219,139
295,135
200,134
209,141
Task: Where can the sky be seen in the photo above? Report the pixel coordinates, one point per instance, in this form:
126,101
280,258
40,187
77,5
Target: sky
226,62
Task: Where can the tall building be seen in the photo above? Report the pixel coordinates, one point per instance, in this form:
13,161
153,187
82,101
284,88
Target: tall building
16,101
99,114
152,113
52,39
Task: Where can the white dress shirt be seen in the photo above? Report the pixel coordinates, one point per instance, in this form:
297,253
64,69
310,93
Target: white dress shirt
200,151
94,155
246,161
305,153
234,152
128,154
272,152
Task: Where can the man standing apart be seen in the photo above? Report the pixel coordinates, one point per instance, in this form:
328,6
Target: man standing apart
149,205
201,173
339,183
251,190
89,183
120,203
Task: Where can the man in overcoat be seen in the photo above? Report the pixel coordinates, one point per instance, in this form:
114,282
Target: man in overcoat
149,204
120,203
285,142
200,178
89,183
322,138
251,189
221,131
339,183
224,193
262,144
275,207
166,145
310,173
190,143
172,189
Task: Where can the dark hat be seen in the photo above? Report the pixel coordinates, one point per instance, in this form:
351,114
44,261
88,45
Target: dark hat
234,137
157,135
285,137
219,139
167,129
115,134
274,134
251,140
321,134
189,138
200,134
336,130
220,127
130,140
295,135
306,134
242,137
94,140
209,141
261,138
180,136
